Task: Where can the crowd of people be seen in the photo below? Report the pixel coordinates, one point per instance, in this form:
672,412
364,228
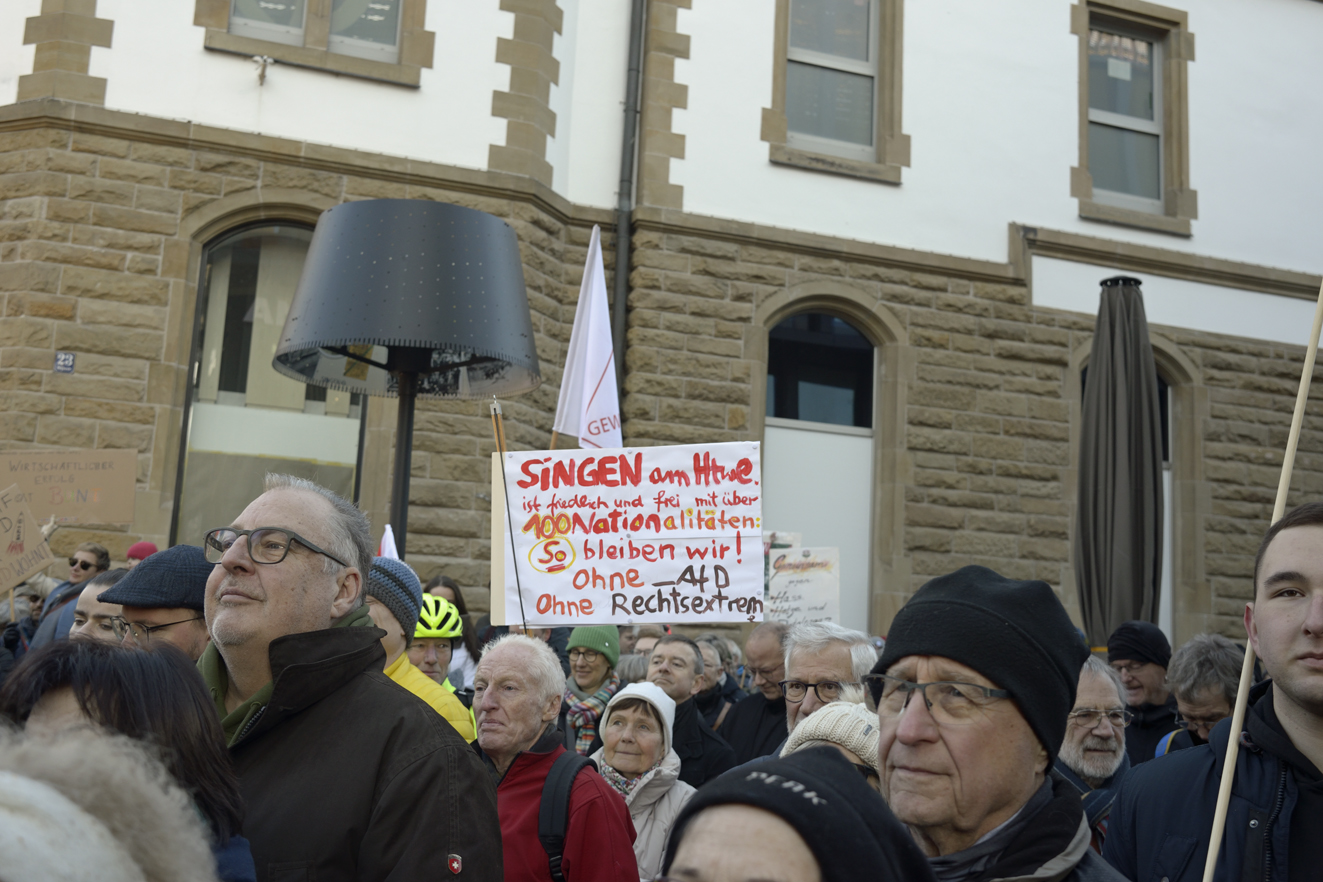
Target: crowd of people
279,704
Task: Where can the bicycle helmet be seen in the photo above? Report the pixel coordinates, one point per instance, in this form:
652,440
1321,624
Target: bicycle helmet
438,618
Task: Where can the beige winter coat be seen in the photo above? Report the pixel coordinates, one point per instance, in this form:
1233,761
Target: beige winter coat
654,805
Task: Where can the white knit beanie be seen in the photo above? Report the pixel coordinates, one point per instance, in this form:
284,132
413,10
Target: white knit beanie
841,722
665,705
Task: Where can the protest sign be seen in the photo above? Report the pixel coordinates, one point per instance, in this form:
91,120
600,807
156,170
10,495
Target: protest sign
653,534
75,486
23,549
773,539
805,586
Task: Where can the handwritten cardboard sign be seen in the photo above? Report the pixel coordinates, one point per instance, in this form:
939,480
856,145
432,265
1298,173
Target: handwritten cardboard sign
805,585
76,486
652,534
23,550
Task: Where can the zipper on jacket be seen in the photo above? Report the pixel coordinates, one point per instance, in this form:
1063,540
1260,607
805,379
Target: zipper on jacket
1272,819
251,723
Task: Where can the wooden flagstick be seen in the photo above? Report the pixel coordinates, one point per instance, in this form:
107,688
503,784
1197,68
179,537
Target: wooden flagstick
1247,669
498,429
554,435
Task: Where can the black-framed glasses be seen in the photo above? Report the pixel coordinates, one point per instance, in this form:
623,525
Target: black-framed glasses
1088,717
950,702
142,633
1129,667
81,564
588,655
826,690
266,545
1199,722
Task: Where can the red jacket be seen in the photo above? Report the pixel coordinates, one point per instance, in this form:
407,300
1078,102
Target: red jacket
599,839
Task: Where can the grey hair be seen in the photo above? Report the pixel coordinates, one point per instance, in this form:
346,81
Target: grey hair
814,637
718,644
544,666
1206,661
351,535
1099,668
632,668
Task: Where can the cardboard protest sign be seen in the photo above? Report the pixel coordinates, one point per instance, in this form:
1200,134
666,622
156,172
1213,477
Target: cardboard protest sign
75,486
805,586
653,534
773,539
23,549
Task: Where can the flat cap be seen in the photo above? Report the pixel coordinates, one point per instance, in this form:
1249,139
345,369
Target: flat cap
174,578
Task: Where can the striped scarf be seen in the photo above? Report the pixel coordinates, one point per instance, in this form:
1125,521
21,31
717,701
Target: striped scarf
583,715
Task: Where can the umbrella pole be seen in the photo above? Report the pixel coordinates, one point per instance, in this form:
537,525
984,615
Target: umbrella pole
1247,669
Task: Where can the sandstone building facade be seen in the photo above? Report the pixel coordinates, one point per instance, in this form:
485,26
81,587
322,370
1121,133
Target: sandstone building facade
137,146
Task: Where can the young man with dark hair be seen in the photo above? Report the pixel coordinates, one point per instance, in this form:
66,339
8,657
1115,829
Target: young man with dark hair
1161,821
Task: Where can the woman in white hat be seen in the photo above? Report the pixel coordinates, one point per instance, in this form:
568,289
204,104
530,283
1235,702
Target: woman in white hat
638,761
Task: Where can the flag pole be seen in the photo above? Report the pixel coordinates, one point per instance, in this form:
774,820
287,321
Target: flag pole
554,435
1247,669
498,428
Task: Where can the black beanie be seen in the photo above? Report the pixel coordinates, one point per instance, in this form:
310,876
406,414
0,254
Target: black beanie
844,822
1016,634
1139,641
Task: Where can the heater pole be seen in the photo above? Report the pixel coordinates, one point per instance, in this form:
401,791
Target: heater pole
399,496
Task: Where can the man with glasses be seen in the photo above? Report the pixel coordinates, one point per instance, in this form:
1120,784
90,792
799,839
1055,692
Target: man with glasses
973,691
676,666
757,724
1163,815
1140,653
825,662
1093,755
162,600
345,774
1204,676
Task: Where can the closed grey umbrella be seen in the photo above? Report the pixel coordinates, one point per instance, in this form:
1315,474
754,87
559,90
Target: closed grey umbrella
1118,532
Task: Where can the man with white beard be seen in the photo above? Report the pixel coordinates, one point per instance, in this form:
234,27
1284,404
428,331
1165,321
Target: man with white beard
1093,756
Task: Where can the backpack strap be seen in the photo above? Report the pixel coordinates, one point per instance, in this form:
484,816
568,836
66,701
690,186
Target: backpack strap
721,717
553,815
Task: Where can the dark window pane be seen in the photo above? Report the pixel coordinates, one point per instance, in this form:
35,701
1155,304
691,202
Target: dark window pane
833,27
376,21
1121,74
1124,161
285,13
238,333
829,103
820,368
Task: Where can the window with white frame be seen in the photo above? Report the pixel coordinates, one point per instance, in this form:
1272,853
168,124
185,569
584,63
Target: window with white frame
831,77
1125,118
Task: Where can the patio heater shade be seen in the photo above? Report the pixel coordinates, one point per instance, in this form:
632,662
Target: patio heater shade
401,286
405,298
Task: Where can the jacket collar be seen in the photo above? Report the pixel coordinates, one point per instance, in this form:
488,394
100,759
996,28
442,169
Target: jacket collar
1051,845
305,668
545,745
686,736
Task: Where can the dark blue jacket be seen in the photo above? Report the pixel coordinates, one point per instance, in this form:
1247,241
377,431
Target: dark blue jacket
1161,820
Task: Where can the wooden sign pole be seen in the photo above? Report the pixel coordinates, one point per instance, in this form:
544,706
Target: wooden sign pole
1247,670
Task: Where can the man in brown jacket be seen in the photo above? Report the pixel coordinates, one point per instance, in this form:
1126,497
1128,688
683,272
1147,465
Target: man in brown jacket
346,775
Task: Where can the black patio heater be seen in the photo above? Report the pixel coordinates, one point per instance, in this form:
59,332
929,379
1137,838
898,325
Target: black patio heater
405,297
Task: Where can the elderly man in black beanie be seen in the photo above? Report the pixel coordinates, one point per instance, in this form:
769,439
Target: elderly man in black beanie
1140,653
966,764
808,817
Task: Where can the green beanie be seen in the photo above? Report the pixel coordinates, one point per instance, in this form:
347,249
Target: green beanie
602,638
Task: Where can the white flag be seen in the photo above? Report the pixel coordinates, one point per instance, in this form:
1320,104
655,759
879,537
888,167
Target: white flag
589,405
387,547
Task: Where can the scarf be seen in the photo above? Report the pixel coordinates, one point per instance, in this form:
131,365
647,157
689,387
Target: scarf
583,715
623,785
970,863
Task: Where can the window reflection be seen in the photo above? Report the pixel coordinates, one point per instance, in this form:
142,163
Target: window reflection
820,369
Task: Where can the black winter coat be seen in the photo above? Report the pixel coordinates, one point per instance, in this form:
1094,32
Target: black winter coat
1160,822
349,776
703,753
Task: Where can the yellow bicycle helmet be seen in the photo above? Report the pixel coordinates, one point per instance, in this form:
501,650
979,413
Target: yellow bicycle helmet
437,618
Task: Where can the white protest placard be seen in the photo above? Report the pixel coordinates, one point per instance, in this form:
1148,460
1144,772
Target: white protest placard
805,586
628,536
23,549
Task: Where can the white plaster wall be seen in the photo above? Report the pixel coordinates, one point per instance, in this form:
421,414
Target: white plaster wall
1064,284
589,101
15,58
157,66
991,105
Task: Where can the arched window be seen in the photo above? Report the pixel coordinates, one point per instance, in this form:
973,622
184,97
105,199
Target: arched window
244,419
818,452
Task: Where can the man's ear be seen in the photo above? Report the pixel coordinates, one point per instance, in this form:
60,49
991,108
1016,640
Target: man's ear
1250,628
552,709
349,585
